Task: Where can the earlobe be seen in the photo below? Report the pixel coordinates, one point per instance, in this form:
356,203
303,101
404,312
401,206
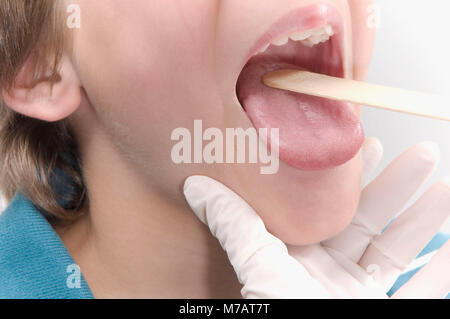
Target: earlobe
40,98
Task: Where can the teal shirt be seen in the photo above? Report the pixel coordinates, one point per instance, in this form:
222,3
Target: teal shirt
34,263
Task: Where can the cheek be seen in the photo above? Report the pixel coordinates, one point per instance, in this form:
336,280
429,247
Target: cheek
147,84
149,64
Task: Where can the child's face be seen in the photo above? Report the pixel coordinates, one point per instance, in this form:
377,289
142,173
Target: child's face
151,66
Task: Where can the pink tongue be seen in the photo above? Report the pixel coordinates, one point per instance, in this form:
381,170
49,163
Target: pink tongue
315,133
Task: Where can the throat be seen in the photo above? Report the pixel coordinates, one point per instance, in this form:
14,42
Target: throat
154,253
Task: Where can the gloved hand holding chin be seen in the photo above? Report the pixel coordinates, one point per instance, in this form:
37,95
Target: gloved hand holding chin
363,261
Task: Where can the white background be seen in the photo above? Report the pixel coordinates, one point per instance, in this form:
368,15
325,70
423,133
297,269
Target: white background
412,51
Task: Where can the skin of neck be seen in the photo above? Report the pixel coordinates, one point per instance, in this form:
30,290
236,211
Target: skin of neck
135,242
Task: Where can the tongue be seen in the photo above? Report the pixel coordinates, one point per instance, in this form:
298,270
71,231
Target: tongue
315,133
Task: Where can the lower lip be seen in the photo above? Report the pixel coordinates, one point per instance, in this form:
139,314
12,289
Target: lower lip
315,133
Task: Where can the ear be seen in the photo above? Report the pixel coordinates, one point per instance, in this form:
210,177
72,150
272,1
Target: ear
40,98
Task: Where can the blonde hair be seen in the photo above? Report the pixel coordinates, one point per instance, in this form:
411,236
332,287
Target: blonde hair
38,159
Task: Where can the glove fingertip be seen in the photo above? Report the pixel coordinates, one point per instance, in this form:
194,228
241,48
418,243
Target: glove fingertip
432,150
372,148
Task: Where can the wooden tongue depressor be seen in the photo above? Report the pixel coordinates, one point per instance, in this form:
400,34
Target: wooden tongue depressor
387,98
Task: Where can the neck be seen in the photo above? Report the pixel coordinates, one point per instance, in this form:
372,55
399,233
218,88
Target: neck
135,242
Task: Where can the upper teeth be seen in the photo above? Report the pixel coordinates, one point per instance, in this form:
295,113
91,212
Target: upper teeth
308,37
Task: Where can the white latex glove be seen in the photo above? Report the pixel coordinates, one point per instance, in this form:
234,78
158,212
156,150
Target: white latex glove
359,262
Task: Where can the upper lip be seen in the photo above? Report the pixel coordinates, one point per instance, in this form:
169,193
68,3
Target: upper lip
302,19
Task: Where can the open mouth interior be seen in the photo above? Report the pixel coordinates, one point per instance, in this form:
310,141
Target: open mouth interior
315,133
316,50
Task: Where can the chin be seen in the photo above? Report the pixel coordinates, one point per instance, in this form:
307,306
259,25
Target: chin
307,224
300,207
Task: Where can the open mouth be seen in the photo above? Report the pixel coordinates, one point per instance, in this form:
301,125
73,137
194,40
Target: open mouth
314,133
